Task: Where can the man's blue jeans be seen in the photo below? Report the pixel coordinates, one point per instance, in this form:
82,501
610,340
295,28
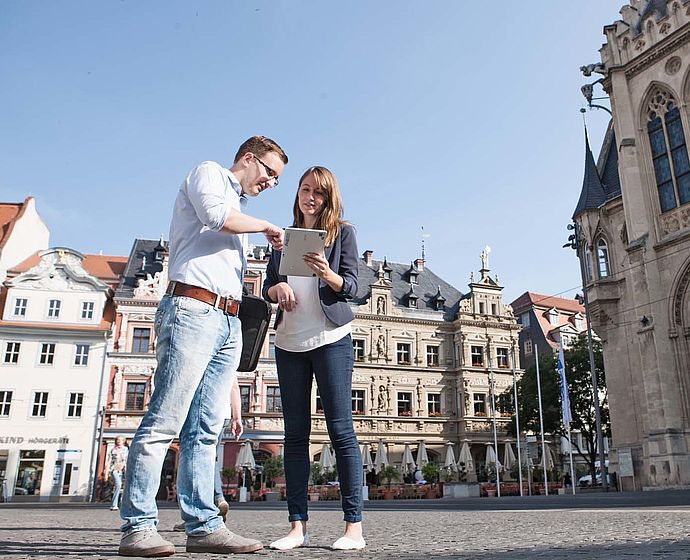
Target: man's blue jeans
332,366
116,476
198,351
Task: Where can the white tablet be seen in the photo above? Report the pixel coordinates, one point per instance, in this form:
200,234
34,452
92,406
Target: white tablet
299,242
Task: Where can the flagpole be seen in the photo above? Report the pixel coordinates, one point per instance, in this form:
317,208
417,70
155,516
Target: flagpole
541,424
493,410
517,421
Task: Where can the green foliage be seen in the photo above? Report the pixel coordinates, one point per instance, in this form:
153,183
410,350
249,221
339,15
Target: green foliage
579,377
388,474
273,468
462,472
228,474
317,475
431,472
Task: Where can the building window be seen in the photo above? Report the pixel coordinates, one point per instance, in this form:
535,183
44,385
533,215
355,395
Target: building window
412,302
603,258
579,323
588,265
433,404
5,403
477,355
528,346
358,349
53,308
245,395
87,310
76,401
403,353
524,320
135,396
357,401
318,406
20,305
141,340
404,404
273,403
40,404
432,354
12,352
47,354
479,401
271,347
493,309
669,152
249,287
81,354
481,307
553,316
502,357
30,471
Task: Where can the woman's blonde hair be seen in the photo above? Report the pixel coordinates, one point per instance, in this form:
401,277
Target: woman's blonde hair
331,217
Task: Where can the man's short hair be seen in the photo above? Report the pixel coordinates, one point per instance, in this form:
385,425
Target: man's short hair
260,146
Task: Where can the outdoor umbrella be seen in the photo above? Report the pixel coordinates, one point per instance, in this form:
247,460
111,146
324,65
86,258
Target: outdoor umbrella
367,461
491,458
381,457
450,458
422,458
408,464
508,457
466,458
326,461
245,459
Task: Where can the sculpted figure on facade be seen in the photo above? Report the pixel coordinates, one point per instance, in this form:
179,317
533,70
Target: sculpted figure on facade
381,346
381,306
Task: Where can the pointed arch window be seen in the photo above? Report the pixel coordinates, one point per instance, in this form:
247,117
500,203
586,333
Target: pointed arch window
669,150
603,258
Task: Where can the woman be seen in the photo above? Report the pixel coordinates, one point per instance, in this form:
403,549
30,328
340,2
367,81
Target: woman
118,462
313,340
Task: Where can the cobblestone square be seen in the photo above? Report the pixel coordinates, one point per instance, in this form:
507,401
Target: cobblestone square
617,526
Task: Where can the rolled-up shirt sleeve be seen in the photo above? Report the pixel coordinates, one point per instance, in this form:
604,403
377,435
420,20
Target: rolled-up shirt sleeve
207,193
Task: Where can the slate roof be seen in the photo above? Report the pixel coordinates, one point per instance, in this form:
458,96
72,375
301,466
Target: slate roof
426,288
592,194
142,248
607,164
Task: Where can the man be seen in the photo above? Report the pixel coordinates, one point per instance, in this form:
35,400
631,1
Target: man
198,350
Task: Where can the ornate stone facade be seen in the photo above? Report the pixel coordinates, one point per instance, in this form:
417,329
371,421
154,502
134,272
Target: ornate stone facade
638,279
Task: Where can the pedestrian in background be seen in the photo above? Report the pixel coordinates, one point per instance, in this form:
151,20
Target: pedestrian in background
199,347
313,339
116,469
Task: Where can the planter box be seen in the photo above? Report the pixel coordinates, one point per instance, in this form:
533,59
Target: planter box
272,496
314,497
460,490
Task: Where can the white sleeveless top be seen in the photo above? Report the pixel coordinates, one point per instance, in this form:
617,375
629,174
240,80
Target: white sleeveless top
307,327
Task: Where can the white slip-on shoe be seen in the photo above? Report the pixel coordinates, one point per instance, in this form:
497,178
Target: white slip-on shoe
346,543
288,543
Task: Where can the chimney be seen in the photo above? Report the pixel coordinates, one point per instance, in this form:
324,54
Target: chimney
368,257
419,264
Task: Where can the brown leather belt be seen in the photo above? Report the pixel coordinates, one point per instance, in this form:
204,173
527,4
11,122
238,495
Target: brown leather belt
228,305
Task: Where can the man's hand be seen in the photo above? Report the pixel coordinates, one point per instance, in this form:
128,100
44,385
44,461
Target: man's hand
274,235
236,428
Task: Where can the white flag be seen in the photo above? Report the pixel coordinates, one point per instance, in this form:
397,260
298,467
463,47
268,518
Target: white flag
565,394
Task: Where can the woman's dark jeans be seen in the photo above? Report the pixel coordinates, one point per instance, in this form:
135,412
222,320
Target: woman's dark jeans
332,366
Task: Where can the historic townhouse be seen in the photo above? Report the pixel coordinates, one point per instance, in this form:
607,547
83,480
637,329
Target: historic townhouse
423,357
56,319
22,233
633,221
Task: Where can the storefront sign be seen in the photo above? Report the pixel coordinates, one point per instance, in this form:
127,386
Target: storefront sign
43,440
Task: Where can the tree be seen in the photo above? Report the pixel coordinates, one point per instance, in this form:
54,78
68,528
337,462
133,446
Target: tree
579,377
273,468
388,474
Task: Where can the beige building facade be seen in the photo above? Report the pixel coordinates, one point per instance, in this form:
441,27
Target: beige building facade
634,233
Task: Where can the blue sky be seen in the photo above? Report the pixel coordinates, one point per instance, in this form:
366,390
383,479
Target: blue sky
462,117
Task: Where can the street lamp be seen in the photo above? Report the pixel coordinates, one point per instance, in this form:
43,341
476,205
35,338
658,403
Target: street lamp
576,242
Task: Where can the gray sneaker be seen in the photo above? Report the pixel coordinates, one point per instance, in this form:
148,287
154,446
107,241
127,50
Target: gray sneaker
222,541
146,543
179,527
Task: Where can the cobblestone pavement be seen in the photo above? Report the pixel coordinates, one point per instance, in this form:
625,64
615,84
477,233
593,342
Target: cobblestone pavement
483,529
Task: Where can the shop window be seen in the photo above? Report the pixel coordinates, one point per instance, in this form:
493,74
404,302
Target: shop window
29,473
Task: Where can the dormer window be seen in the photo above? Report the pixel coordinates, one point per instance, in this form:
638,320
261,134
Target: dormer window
553,316
386,269
579,322
54,308
158,256
439,300
412,302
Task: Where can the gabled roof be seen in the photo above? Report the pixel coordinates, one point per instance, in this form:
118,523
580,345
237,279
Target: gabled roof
592,194
106,268
426,288
531,299
10,212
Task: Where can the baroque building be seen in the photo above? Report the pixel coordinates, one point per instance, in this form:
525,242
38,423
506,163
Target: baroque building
57,312
633,227
424,355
